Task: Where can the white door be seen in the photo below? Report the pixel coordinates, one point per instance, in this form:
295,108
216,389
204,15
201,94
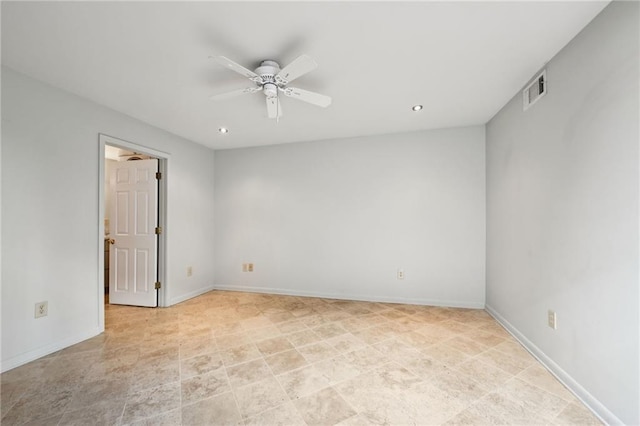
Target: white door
133,219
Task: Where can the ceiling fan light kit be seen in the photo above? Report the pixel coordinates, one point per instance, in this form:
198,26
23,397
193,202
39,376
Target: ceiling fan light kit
271,79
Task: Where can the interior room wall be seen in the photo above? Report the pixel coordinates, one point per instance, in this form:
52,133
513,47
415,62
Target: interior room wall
338,218
108,166
562,215
50,217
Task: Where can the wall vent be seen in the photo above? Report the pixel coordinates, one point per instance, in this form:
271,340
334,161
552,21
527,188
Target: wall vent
534,90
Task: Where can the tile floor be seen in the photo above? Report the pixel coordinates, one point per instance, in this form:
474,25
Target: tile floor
239,358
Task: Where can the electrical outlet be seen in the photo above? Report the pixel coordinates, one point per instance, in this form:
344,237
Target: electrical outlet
401,274
552,320
42,309
250,267
189,271
245,267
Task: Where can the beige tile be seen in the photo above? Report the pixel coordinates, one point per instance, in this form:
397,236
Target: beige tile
11,393
259,396
170,418
372,335
514,349
483,337
459,386
393,376
204,386
508,363
303,382
248,372
291,327
191,348
392,314
431,365
494,409
317,352
445,354
576,414
367,358
283,415
423,367
533,398
239,354
325,407
285,361
280,317
39,404
53,420
354,324
231,340
357,420
258,334
105,412
465,345
434,332
537,375
159,351
417,340
428,404
259,321
329,330
218,410
98,391
394,348
338,369
313,320
273,346
226,328
148,376
200,364
303,338
336,316
151,402
488,376
496,329
374,403
346,343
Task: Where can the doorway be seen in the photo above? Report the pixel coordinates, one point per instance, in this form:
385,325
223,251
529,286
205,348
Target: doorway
127,158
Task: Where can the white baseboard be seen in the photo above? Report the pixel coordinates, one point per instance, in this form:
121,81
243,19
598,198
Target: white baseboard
343,296
190,295
569,382
26,357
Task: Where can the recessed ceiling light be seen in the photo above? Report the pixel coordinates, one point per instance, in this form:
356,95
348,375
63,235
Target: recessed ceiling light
223,130
416,107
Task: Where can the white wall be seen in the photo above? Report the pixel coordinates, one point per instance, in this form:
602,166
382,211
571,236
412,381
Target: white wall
50,214
108,166
338,218
562,215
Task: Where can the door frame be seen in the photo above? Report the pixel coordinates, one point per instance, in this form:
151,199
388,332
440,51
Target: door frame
163,160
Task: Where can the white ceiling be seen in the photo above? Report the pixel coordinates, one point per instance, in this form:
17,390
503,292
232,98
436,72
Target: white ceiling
462,60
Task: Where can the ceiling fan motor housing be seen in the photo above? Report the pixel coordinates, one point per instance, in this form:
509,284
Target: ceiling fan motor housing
267,72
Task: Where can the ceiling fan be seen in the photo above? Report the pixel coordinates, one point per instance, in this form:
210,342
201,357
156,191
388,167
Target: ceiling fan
269,79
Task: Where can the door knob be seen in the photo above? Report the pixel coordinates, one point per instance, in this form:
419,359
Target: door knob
112,241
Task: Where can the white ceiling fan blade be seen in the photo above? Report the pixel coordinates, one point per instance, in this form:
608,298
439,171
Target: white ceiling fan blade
236,67
307,96
234,93
274,109
299,67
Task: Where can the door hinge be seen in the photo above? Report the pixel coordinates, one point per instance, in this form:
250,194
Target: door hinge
158,230
158,175
158,285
